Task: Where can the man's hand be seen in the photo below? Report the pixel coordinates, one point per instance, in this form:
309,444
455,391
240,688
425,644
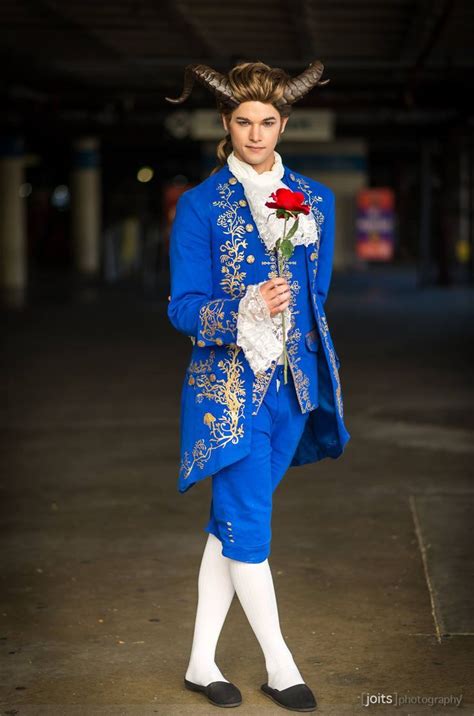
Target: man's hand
276,293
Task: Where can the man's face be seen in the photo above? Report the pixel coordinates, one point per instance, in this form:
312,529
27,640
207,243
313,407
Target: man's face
254,128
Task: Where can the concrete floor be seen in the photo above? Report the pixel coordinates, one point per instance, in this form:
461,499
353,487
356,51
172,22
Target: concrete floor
371,552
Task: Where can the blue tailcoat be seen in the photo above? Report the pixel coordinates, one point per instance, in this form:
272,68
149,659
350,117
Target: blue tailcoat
215,253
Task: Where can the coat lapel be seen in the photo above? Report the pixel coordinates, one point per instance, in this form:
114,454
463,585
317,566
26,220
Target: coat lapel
311,261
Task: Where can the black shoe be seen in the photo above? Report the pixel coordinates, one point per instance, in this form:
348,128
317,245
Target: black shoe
298,697
219,693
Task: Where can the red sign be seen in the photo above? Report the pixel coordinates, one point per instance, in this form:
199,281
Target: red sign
375,224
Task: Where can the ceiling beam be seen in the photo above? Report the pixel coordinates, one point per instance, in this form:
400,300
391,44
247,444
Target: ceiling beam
198,38
426,29
296,14
44,11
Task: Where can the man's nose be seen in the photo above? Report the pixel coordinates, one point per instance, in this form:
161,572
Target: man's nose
255,133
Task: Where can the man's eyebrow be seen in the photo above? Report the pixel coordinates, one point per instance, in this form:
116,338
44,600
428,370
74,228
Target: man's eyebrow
263,120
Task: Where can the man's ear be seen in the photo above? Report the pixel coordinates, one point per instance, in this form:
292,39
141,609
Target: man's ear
283,124
224,123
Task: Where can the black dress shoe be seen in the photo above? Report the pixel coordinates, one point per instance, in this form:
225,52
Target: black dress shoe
219,693
298,697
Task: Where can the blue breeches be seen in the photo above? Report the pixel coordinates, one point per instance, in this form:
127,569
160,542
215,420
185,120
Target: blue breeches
242,493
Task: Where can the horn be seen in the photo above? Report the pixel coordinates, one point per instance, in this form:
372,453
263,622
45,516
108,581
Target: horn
297,87
213,80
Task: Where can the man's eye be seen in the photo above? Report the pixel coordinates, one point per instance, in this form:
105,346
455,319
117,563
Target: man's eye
269,124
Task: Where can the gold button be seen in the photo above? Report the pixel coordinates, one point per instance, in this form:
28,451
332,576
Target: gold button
242,202
212,377
191,380
292,177
313,256
232,180
201,344
249,227
250,259
219,341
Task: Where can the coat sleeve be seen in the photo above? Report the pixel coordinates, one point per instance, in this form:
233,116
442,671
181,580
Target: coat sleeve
326,250
191,308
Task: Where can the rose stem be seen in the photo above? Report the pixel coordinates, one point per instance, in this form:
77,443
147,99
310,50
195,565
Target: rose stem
280,271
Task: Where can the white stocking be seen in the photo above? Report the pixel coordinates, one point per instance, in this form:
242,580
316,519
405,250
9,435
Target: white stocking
253,583
215,594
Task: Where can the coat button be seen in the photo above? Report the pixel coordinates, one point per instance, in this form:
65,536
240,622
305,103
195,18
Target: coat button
169,298
249,227
201,344
229,523
191,380
212,377
292,177
219,341
232,180
242,202
250,259
313,256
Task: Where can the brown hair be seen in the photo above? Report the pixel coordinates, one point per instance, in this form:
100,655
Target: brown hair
251,82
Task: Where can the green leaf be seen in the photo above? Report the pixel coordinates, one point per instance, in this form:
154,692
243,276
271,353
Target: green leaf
286,248
293,229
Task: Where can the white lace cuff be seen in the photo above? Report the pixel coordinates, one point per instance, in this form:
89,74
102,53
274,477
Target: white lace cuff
259,334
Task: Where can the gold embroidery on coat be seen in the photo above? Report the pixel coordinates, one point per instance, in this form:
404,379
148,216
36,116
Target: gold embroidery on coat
301,380
229,392
200,366
232,250
211,316
325,330
318,216
261,382
312,201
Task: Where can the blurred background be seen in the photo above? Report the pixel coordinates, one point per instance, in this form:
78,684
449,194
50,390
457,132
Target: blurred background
92,158
100,554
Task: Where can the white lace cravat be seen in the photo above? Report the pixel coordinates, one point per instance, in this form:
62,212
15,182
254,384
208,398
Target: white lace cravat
259,334
258,188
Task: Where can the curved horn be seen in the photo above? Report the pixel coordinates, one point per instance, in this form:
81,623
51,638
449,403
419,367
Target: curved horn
297,87
213,80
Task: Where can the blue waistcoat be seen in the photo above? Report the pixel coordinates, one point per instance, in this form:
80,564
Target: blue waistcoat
303,339
215,253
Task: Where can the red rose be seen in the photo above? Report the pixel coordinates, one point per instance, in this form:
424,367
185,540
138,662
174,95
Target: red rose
287,200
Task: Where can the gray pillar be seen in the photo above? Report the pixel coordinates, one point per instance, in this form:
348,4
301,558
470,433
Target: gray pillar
13,250
86,206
